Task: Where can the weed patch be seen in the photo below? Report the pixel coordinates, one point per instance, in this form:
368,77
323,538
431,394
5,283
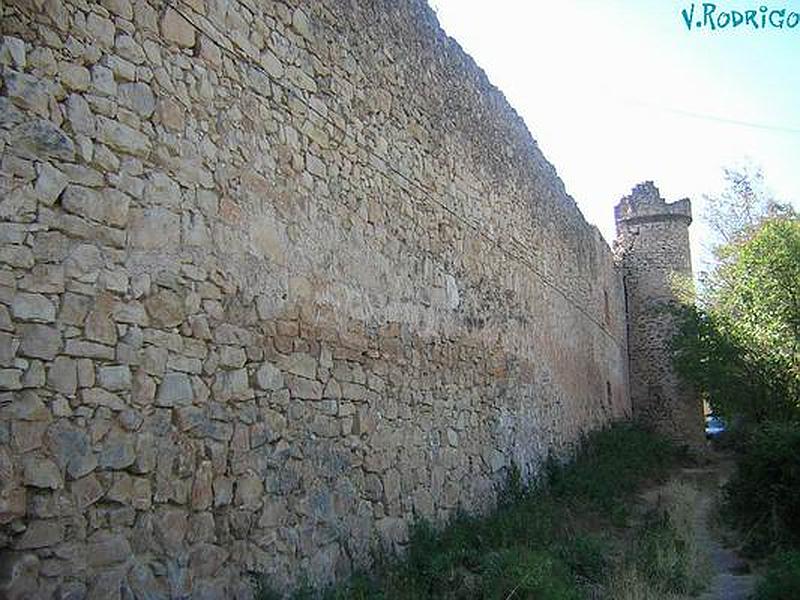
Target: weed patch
552,542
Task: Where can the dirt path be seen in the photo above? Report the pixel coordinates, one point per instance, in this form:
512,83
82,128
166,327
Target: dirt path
731,579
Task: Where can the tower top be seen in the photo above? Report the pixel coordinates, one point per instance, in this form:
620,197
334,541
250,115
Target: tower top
645,205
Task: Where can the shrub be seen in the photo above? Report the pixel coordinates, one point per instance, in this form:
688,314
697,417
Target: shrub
586,555
762,495
741,347
739,382
782,579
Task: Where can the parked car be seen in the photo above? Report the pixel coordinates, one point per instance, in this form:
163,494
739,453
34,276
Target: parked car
715,427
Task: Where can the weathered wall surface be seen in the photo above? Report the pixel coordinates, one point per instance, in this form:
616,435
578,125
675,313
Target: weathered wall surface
653,247
274,279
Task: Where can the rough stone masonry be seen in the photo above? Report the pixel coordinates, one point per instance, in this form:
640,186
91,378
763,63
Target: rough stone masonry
276,278
653,251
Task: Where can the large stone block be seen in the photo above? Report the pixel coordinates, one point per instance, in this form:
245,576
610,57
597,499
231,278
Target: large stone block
33,307
19,574
40,341
138,97
62,375
41,534
269,377
42,139
122,138
114,378
298,363
154,229
175,28
231,385
304,389
175,389
26,91
71,448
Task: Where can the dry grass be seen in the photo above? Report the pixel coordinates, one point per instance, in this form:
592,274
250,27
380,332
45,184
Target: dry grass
666,560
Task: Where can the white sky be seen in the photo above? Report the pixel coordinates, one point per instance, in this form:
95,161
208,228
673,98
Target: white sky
602,85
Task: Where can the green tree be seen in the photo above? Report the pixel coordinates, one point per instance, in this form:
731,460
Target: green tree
735,380
740,345
757,291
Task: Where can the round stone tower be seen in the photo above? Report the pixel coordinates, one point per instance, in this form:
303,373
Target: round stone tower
652,248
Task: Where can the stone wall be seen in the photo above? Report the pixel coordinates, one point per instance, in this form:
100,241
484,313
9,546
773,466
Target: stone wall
275,279
653,248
